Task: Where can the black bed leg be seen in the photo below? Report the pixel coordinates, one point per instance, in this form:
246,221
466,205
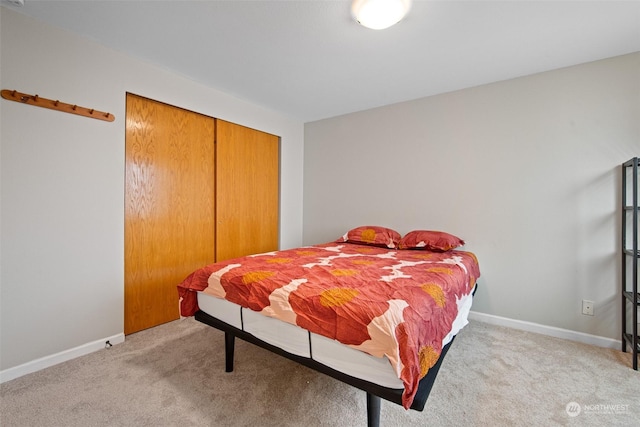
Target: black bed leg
229,340
373,410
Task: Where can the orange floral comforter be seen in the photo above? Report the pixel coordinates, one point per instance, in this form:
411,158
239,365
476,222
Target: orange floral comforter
396,303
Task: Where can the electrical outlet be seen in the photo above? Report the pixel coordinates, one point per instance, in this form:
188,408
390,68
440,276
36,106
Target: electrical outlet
587,307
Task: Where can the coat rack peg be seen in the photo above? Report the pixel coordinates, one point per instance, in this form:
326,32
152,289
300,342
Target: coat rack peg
25,98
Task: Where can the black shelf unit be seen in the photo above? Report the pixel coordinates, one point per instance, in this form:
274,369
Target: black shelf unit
630,257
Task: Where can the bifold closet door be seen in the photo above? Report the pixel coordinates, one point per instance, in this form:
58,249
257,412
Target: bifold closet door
247,191
169,206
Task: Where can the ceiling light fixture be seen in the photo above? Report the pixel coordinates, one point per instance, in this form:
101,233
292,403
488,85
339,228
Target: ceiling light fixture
379,14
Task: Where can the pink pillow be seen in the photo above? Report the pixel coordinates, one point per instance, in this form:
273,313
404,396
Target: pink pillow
430,240
372,235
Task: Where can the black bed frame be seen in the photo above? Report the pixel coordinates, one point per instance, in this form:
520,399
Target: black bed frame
374,392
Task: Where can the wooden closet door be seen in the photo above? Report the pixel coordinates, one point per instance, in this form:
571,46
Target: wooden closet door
247,191
169,207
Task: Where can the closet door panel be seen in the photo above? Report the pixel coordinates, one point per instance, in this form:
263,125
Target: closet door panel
169,206
247,191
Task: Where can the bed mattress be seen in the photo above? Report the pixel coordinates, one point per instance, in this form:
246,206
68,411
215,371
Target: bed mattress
298,341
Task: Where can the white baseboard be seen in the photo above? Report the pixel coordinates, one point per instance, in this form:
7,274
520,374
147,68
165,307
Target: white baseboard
63,356
54,359
547,330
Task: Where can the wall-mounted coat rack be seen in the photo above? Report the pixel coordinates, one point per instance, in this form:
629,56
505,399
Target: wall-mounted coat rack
13,95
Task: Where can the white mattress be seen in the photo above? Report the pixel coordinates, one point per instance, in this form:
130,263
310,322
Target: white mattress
301,342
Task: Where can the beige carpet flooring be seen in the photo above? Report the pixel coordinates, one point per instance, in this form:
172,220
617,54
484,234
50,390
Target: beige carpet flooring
173,375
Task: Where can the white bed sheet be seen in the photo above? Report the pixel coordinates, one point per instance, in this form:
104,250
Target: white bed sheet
301,342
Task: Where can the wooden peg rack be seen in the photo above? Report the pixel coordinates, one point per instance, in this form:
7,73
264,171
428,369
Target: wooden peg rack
25,98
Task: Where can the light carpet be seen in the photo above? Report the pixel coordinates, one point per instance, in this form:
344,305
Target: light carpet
174,375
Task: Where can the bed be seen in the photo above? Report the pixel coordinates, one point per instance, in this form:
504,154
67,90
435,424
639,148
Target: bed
373,309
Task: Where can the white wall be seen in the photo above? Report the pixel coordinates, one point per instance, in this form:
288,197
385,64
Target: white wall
527,171
62,230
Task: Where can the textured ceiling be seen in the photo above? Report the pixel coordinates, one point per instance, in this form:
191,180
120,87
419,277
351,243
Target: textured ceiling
309,60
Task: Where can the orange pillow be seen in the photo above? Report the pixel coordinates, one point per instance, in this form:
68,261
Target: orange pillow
430,240
372,235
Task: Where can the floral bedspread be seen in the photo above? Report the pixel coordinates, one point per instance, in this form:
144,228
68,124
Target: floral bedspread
397,303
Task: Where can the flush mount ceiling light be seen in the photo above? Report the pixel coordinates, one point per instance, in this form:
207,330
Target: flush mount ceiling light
379,14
